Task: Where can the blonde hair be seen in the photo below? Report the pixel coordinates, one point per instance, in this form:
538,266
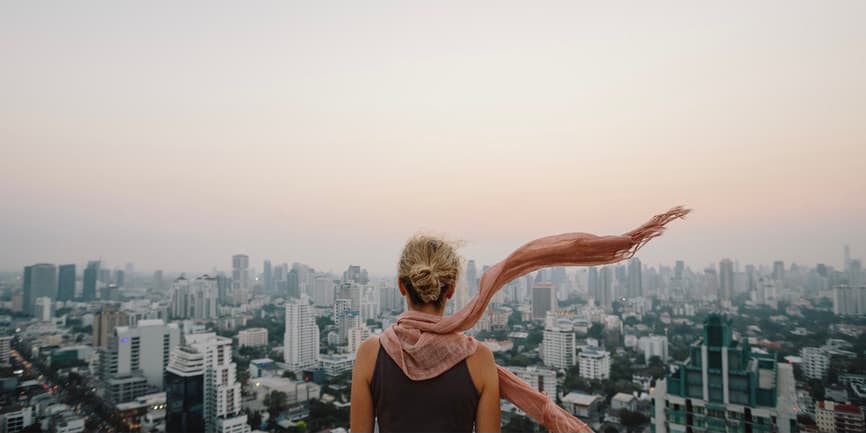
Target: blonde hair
428,268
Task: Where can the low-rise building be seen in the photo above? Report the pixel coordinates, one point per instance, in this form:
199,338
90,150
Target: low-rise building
623,401
542,379
253,337
594,364
584,406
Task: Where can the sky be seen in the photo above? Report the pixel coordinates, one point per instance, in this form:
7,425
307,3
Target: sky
175,134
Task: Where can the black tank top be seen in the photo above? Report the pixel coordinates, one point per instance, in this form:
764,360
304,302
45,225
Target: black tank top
445,403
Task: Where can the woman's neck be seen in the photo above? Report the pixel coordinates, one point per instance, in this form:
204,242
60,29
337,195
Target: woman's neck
428,309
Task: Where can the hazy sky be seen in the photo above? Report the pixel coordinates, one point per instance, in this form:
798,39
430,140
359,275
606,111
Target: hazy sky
174,135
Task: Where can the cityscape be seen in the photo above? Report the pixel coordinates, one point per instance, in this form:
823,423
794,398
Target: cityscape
776,347
204,205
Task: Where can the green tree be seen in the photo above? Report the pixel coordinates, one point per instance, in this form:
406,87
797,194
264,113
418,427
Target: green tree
632,421
290,375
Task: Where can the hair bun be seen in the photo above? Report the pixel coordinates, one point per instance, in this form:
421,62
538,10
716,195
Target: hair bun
425,281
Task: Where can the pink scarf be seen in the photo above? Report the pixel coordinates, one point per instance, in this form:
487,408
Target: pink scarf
426,345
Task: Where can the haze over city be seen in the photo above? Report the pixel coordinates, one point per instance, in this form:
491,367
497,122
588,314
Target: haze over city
173,136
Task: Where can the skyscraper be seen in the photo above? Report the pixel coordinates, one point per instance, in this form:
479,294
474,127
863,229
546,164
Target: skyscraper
104,324
91,276
141,350
724,386
726,279
542,300
635,283
184,391
558,346
240,272
194,299
471,278
301,340
157,280
778,270
604,289
43,284
268,277
222,392
66,283
26,294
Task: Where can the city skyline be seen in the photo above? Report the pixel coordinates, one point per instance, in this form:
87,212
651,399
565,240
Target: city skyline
173,140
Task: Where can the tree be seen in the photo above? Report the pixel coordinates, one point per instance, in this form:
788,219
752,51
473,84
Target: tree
632,420
254,419
276,402
290,375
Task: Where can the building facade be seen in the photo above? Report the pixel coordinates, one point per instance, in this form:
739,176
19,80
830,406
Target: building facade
724,386
301,340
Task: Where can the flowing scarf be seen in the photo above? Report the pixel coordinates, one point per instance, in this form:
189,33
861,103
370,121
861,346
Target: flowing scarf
426,345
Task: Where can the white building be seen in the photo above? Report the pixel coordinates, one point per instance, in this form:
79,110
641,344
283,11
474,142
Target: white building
42,309
141,350
253,337
816,361
194,299
542,379
594,364
296,391
849,301
654,345
558,346
357,336
222,392
301,340
5,349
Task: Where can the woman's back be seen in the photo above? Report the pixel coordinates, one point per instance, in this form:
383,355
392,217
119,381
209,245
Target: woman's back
445,403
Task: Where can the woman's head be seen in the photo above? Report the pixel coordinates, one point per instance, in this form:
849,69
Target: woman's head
428,270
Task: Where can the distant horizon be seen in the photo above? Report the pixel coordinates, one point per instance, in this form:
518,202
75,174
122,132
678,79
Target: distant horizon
174,135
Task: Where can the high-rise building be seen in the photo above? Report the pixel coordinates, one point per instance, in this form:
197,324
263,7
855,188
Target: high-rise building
654,345
816,362
471,278
104,323
778,270
592,282
42,283
43,309
184,391
832,417
635,278
194,299
543,300
157,283
141,350
604,295
558,346
5,350
357,335
846,258
594,364
724,386
726,279
222,392
253,337
66,283
542,379
849,301
240,272
301,340
268,277
90,279
293,284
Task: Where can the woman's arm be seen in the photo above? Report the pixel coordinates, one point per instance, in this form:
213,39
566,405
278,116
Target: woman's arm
482,367
361,416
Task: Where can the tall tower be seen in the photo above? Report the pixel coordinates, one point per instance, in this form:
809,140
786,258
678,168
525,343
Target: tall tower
43,284
471,278
222,392
91,276
726,279
240,277
184,391
635,283
66,283
268,276
846,259
543,300
301,340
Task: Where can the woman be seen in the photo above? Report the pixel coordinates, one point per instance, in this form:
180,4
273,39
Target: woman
466,394
423,374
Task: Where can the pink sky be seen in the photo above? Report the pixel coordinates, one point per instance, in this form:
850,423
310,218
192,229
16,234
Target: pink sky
174,136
